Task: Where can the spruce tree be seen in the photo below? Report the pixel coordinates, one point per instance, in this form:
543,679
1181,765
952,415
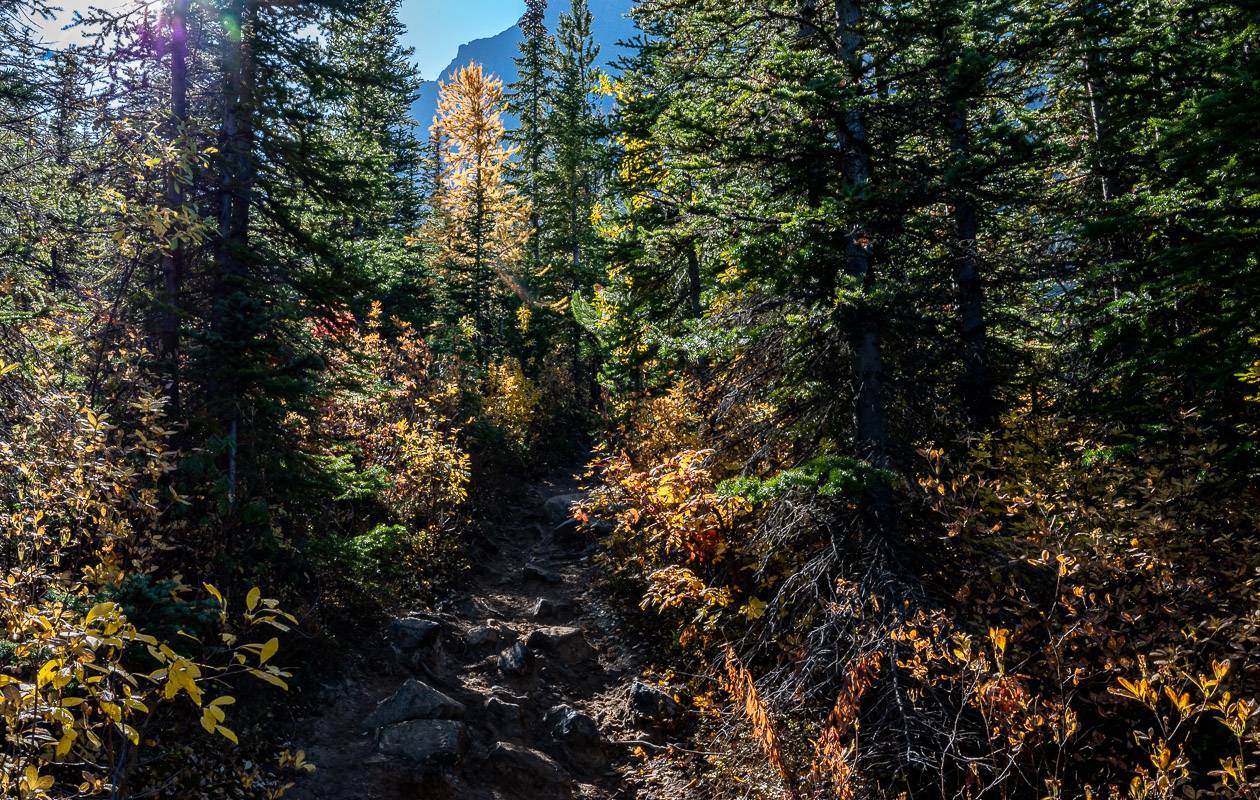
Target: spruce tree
528,100
568,185
379,159
284,168
1157,100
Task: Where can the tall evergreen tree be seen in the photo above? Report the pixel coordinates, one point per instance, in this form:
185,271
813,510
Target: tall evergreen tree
528,100
1152,102
284,174
568,185
380,160
648,239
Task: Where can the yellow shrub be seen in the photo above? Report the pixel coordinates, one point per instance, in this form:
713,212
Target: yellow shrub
83,511
397,417
81,485
661,426
1147,577
428,467
670,512
510,400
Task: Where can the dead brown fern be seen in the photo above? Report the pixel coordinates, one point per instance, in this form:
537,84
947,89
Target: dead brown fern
738,683
833,760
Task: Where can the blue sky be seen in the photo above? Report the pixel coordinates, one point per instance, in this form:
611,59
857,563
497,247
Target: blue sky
435,28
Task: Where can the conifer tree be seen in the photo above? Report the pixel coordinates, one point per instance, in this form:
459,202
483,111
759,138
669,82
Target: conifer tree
528,100
274,265
478,218
648,238
374,140
1153,103
571,179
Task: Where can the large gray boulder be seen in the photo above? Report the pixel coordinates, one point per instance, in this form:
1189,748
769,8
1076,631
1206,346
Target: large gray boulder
427,742
481,635
409,634
505,719
517,660
559,508
546,609
567,645
414,700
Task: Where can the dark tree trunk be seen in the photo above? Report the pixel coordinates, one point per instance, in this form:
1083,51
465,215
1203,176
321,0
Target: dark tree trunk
235,199
693,282
695,306
977,382
237,182
575,279
868,366
63,122
172,262
1096,95
870,412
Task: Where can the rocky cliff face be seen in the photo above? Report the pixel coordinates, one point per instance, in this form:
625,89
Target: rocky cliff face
611,24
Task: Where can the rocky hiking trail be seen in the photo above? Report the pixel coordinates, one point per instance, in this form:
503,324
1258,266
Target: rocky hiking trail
515,687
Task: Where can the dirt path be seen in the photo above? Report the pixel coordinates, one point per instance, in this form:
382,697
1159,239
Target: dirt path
511,689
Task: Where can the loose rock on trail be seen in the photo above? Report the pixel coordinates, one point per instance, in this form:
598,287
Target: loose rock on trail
515,688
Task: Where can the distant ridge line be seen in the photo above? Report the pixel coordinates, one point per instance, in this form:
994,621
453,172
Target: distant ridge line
610,24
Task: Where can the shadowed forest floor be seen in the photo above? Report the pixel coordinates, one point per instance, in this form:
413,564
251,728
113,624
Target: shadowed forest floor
534,679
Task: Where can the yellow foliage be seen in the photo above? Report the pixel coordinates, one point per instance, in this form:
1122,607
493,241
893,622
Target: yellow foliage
511,401
398,417
666,424
669,512
675,587
477,228
80,484
86,501
83,700
1153,590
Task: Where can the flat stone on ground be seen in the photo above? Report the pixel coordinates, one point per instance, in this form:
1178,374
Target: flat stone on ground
652,704
414,700
567,644
522,767
546,608
559,508
427,742
411,633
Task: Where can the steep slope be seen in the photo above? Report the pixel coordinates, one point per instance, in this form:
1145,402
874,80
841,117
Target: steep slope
611,24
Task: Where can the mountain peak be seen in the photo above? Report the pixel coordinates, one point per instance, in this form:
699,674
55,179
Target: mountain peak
611,24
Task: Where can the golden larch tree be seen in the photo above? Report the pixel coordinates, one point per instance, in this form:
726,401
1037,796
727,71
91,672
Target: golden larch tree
478,224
